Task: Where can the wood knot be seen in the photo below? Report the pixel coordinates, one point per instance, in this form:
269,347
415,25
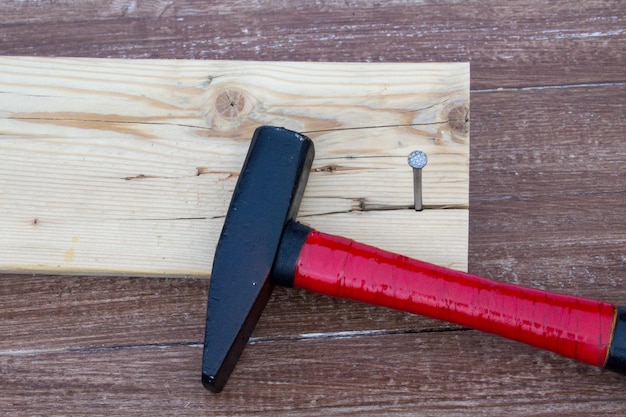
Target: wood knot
458,120
326,168
227,108
230,103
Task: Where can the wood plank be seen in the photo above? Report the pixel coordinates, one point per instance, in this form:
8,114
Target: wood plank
470,374
516,43
548,196
127,167
545,141
51,313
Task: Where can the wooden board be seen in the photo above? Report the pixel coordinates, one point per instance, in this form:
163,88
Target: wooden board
127,166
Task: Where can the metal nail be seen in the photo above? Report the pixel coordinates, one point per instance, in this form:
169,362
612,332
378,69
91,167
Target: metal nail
417,161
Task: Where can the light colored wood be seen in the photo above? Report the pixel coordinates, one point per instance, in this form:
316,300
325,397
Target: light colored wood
127,167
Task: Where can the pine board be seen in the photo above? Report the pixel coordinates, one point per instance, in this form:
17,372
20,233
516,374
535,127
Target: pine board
126,167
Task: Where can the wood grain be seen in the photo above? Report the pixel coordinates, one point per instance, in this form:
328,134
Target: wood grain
130,346
548,196
305,378
127,167
510,44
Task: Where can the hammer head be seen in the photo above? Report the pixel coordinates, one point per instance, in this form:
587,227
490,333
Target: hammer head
267,196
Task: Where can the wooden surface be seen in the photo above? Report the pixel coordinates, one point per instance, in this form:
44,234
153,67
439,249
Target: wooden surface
547,197
128,166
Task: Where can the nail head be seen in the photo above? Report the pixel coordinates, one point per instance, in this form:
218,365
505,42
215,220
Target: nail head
417,159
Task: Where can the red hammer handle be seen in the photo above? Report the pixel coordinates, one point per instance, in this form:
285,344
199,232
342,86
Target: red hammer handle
574,327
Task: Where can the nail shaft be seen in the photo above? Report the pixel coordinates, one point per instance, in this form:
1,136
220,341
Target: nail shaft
417,189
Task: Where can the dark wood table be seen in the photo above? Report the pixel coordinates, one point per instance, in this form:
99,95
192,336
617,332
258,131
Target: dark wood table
547,198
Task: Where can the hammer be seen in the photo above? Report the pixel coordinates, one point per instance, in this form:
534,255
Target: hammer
261,245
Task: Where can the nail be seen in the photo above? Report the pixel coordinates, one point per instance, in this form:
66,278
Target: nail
417,161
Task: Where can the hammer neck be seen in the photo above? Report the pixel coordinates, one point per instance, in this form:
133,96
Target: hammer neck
284,269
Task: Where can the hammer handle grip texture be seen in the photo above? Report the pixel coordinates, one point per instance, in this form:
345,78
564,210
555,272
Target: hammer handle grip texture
574,327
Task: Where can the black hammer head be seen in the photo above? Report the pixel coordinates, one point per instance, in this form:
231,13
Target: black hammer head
266,197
